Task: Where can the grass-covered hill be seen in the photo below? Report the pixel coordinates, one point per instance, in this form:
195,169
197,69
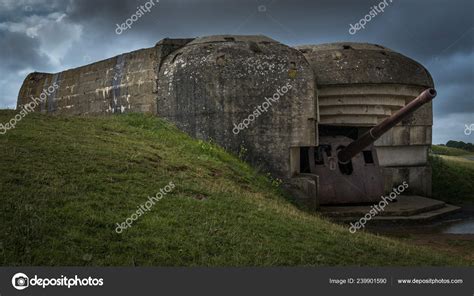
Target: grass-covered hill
66,181
453,174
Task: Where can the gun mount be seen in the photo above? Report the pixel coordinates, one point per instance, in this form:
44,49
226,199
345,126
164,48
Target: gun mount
348,169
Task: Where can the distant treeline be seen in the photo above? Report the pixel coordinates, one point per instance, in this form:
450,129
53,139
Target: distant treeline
460,145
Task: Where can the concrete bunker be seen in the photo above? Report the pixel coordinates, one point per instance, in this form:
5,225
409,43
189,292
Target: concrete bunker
318,99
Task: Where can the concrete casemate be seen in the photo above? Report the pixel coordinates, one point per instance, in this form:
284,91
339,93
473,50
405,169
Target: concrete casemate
256,95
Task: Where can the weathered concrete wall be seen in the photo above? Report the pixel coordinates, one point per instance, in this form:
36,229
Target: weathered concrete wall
215,82
125,83
117,85
33,85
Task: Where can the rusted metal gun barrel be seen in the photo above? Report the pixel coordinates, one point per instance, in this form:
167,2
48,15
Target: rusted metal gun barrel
373,134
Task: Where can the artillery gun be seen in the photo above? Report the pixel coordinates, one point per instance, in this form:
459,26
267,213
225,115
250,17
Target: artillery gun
348,170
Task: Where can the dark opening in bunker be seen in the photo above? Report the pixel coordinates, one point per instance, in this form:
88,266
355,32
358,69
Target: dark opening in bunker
368,157
313,154
304,160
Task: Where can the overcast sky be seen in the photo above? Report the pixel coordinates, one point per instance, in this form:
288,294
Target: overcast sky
55,35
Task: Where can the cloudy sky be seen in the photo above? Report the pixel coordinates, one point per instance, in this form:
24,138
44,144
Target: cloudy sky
54,35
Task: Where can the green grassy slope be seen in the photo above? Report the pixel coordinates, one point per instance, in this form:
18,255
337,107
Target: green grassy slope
66,181
449,151
453,174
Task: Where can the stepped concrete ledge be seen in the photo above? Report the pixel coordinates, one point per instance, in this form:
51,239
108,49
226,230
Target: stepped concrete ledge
406,209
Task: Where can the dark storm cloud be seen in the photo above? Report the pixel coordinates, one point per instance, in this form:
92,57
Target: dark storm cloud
425,29
12,10
455,69
437,33
19,52
454,77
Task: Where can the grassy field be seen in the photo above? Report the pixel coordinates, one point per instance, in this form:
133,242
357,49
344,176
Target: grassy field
453,175
67,181
449,151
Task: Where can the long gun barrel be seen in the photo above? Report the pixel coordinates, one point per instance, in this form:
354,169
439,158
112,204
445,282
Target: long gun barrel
345,155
